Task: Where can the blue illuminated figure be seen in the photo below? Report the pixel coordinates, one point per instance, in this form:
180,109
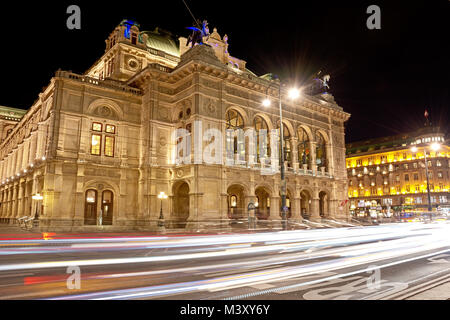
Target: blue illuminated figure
128,24
198,33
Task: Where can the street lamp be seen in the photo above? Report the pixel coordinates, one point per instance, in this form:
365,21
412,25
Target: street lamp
161,196
37,197
435,147
293,94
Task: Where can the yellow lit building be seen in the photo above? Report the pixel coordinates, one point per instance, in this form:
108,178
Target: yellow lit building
387,176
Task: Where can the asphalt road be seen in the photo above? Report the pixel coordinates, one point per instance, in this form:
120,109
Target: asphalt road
394,261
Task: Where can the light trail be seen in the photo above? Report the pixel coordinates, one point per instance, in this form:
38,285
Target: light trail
281,255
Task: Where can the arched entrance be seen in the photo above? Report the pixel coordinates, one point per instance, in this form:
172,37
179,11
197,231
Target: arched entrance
305,204
90,207
107,207
180,205
236,202
93,207
323,204
263,199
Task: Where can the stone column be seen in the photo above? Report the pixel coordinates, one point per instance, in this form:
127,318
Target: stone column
274,208
313,156
223,214
294,154
314,207
330,162
20,200
15,201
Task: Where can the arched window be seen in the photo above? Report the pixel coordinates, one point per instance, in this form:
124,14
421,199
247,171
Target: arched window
260,124
286,144
234,121
321,156
304,152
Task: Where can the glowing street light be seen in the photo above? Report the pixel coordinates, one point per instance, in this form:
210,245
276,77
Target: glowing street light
161,196
435,147
37,197
293,94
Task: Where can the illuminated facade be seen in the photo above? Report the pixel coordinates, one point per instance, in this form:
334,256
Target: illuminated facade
102,142
9,117
387,175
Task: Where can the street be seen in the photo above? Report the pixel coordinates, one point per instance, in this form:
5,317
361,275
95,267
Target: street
391,261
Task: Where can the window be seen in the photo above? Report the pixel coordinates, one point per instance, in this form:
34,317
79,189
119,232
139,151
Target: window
417,188
397,178
96,144
416,176
408,188
109,146
234,141
374,191
406,166
286,144
443,199
261,124
406,177
429,163
440,175
398,189
103,142
321,157
418,200
110,129
133,38
415,165
438,163
430,174
359,162
96,126
233,201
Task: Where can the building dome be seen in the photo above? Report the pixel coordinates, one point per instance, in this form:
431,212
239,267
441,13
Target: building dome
164,41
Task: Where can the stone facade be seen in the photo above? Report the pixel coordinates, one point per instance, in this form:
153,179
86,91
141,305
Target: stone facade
102,141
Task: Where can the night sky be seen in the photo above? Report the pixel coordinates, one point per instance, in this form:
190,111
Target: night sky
384,78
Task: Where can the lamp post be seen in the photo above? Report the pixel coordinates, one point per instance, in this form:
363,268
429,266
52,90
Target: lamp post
293,94
161,196
434,147
37,197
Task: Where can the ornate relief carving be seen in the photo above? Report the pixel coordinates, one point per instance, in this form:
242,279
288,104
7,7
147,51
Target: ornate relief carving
210,106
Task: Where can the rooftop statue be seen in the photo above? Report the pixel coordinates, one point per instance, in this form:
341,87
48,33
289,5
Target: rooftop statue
198,33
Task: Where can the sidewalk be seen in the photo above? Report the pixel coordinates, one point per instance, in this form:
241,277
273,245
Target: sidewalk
8,231
440,292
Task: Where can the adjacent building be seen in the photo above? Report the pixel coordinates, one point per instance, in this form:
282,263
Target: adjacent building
102,142
387,176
